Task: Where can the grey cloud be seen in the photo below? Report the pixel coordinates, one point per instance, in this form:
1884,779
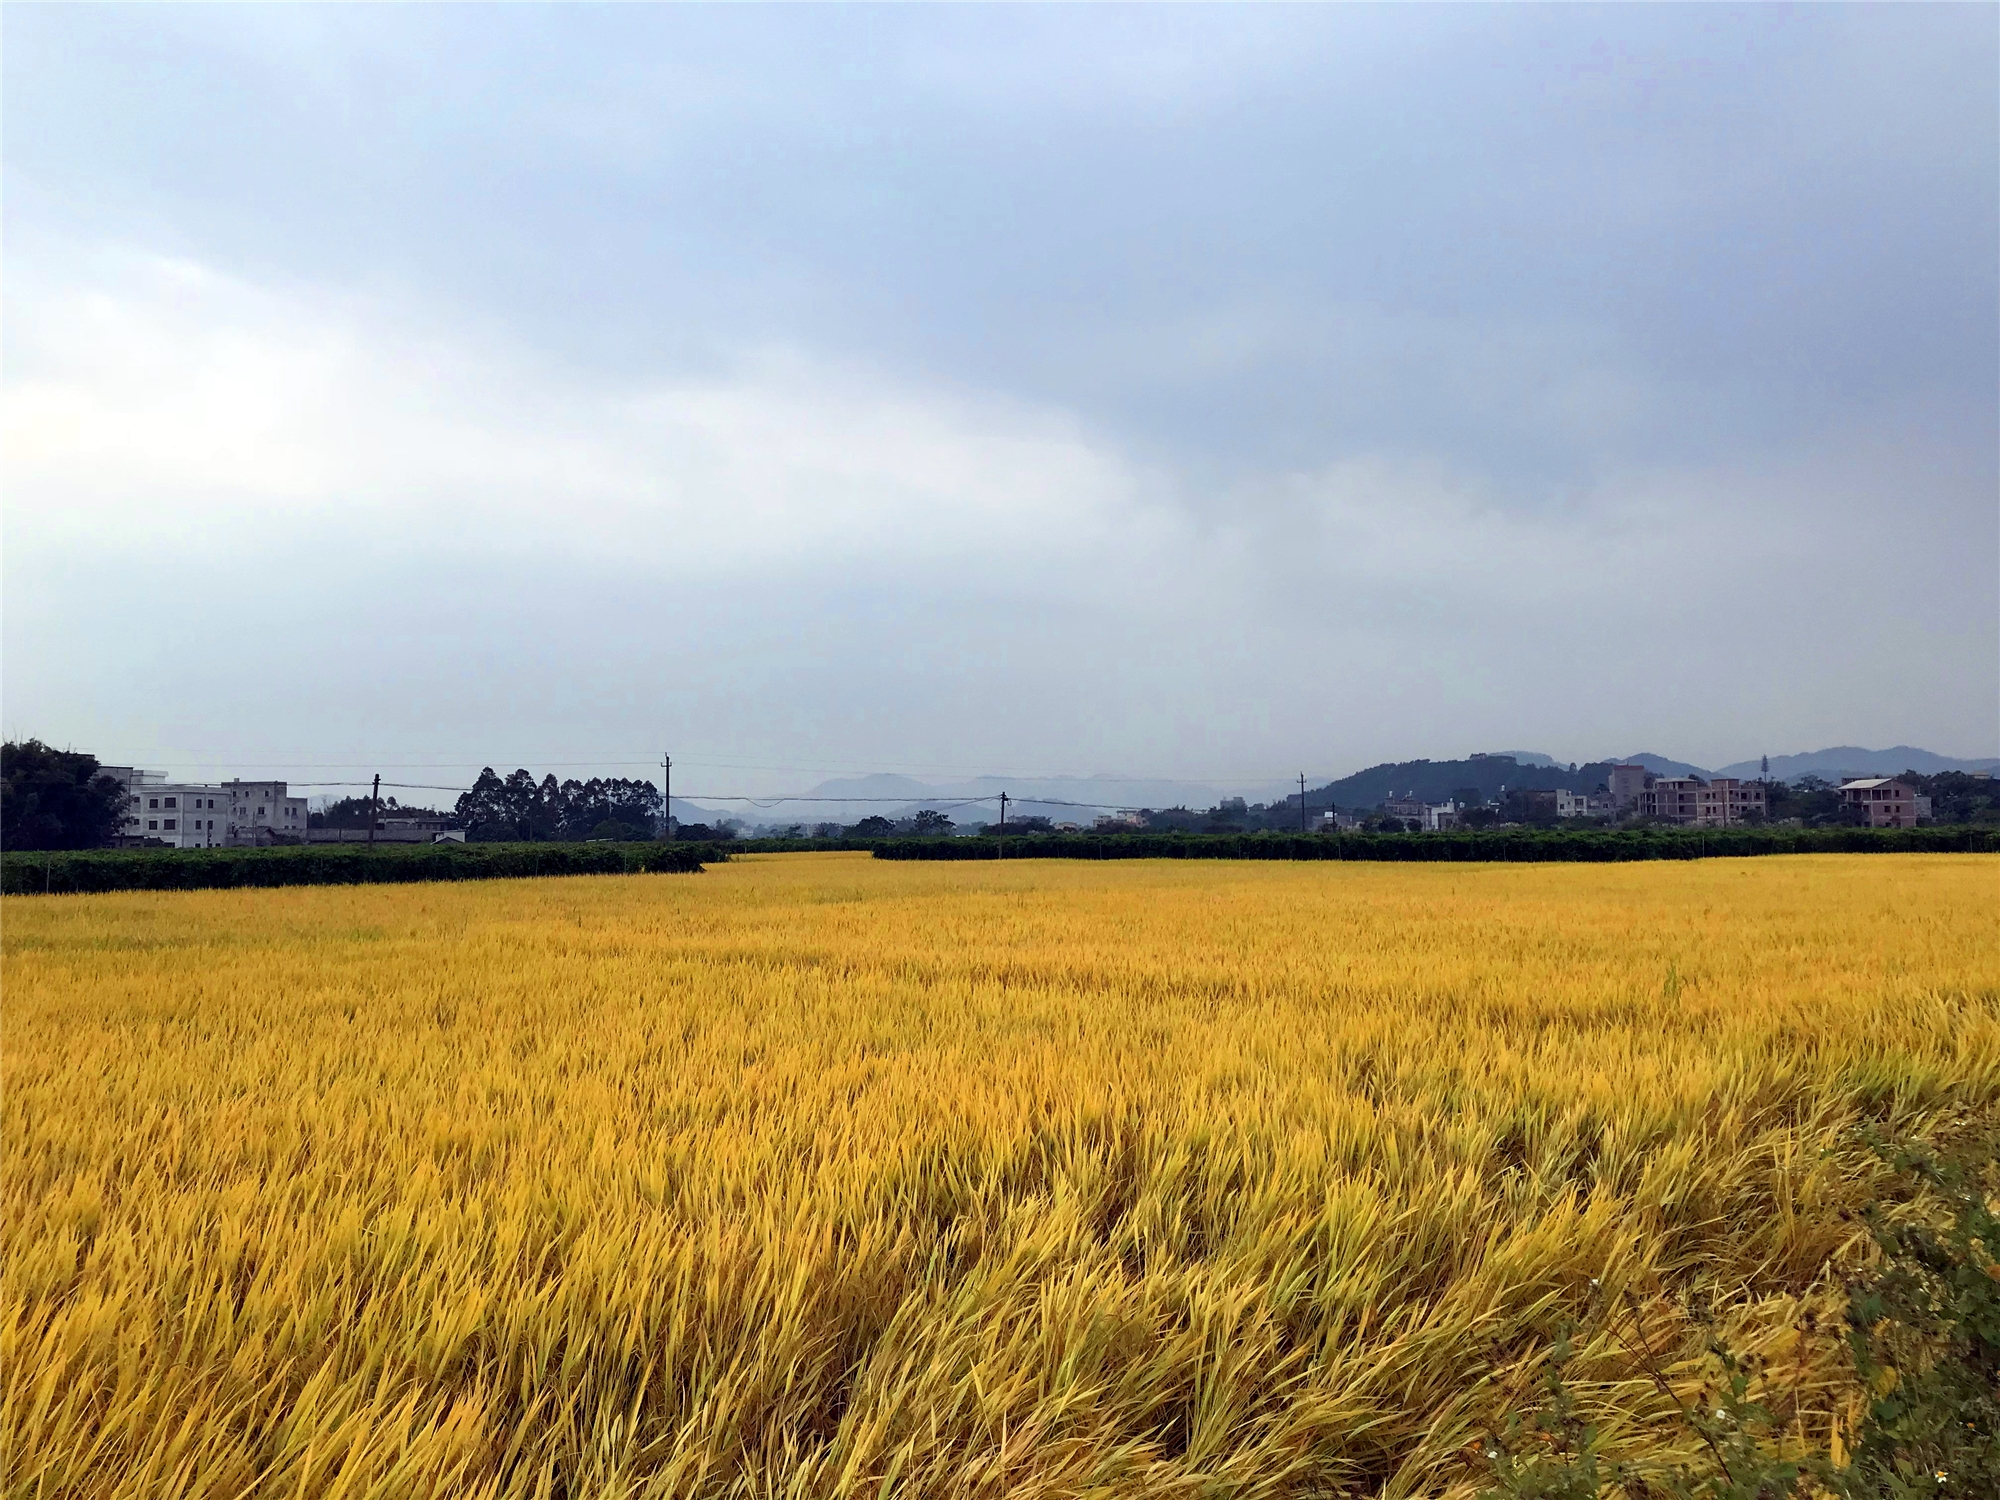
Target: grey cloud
1222,382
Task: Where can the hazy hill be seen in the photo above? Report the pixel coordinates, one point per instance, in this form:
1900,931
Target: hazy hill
1852,760
1061,799
1660,765
1078,799
1439,780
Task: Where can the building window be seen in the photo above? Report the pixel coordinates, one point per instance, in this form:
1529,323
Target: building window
153,824
170,825
171,801
152,802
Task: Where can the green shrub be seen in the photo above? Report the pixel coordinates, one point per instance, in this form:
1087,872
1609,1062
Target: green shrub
335,864
1927,1326
1923,1327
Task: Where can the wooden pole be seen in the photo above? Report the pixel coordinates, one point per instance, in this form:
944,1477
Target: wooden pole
374,800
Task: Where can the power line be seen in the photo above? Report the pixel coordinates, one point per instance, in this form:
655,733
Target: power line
770,801
649,762
395,787
767,801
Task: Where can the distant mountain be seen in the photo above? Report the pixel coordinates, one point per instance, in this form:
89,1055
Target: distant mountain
1078,799
1659,765
1060,799
685,811
1852,760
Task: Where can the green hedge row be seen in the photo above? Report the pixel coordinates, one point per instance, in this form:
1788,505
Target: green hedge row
72,871
1539,845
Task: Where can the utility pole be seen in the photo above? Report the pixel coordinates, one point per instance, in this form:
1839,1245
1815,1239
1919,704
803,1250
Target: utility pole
1003,825
667,795
374,801
1302,802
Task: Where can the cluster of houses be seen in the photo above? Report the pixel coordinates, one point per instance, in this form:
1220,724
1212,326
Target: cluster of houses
224,815
242,815
1632,791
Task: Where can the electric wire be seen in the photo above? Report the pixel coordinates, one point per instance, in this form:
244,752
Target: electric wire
768,802
776,801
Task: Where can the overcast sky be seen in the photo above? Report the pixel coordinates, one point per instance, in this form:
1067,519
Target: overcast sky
1210,393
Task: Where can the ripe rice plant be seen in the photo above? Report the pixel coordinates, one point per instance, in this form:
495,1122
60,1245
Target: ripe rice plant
830,1176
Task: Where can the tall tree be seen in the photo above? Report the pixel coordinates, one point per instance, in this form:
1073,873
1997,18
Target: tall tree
482,811
519,798
57,799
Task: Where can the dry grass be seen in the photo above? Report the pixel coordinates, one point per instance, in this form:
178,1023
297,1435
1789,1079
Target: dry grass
821,1176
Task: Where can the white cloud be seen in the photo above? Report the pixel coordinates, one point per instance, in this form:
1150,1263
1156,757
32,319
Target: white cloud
155,395
162,394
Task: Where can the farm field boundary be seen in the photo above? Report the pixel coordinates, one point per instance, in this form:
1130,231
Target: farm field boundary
99,870
1587,847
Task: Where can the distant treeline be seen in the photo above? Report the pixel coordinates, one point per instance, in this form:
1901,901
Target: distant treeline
520,807
1592,845
83,870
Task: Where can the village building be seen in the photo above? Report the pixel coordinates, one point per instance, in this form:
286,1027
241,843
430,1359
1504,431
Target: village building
1627,786
223,815
1727,802
1885,802
1584,804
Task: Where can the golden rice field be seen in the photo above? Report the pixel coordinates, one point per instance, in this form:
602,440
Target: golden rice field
820,1176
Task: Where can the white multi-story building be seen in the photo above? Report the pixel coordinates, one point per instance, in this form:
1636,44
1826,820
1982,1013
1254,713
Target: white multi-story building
1415,813
228,815
261,809
1440,817
1583,804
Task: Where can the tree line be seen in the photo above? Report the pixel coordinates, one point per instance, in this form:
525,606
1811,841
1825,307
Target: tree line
520,808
